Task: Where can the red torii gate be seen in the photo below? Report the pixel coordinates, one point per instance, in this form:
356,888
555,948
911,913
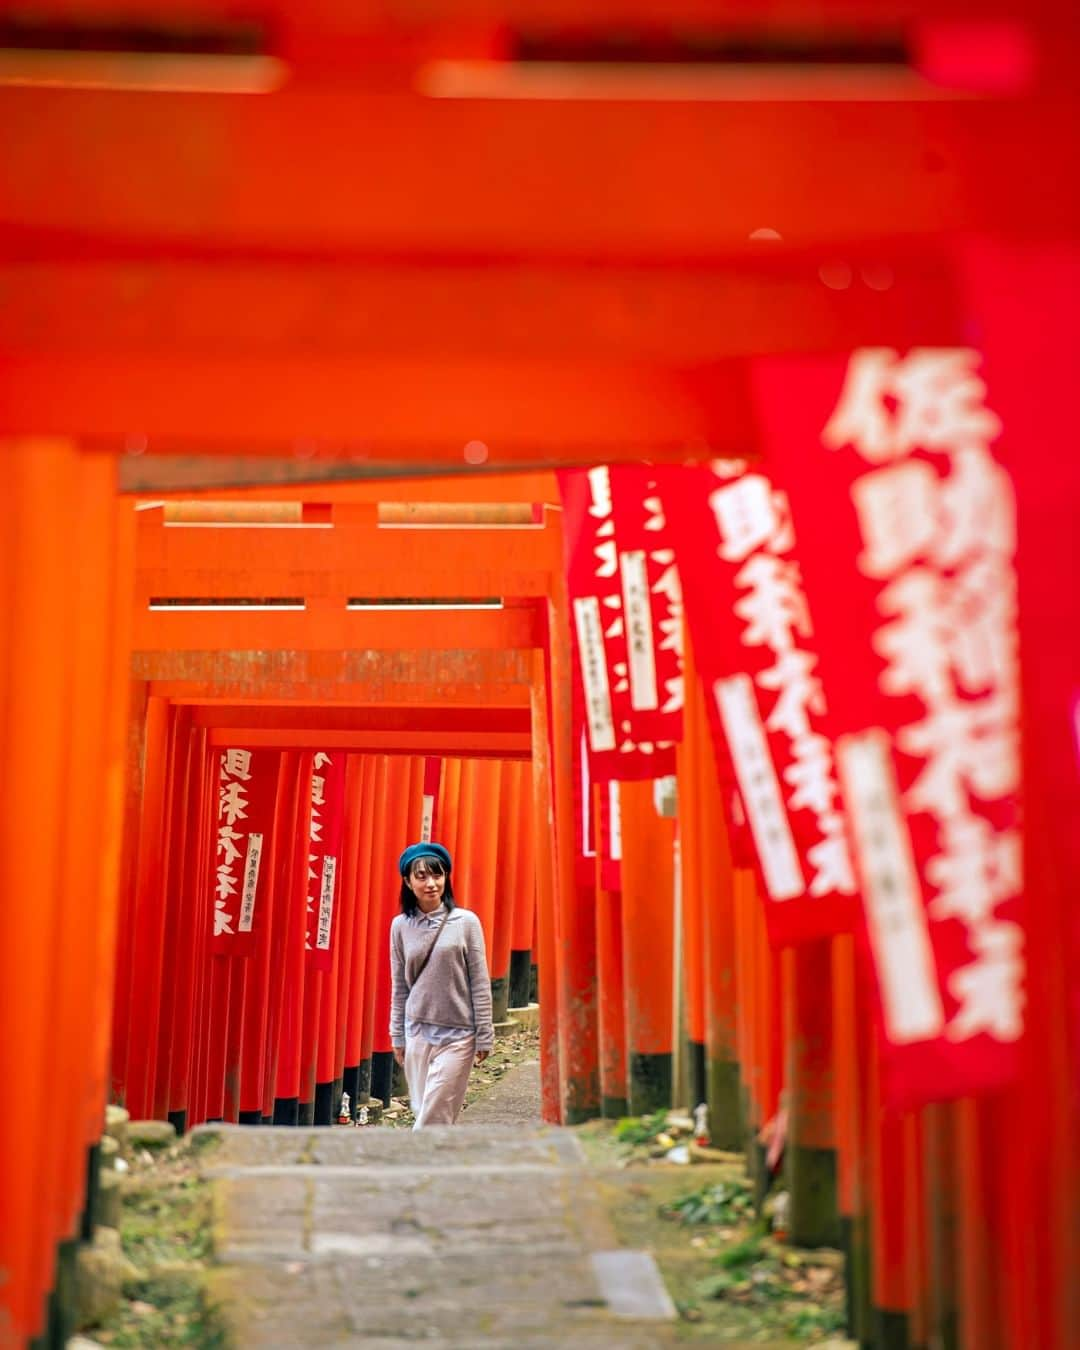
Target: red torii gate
244,290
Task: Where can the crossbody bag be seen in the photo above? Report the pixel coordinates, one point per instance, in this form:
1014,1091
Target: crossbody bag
427,954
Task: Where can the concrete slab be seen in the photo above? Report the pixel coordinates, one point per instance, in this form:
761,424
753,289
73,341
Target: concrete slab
631,1285
460,1238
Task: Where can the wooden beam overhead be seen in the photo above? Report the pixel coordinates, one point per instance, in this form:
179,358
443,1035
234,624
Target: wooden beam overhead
466,744
338,562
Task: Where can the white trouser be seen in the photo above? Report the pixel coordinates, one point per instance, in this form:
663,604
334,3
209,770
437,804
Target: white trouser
438,1076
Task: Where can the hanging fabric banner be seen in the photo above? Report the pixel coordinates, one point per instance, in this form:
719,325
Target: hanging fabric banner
626,619
907,537
327,821
756,651
246,787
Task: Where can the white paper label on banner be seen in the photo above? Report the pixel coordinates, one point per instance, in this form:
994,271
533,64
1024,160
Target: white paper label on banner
252,858
759,787
895,916
326,903
427,815
594,675
615,824
637,609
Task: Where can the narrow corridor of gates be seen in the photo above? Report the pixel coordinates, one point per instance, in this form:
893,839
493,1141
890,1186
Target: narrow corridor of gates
632,445
268,750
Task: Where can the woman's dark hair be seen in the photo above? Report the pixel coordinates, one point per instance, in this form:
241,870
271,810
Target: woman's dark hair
434,866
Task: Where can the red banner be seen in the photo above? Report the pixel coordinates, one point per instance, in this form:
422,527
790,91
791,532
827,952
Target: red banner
327,822
247,784
626,618
906,526
757,654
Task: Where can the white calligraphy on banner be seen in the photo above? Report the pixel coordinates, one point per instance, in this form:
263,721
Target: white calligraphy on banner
318,800
232,807
754,525
942,543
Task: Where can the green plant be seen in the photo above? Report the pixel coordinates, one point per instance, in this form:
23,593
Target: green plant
728,1203
815,1320
740,1254
640,1129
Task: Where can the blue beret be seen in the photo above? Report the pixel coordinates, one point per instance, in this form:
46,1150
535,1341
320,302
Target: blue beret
415,851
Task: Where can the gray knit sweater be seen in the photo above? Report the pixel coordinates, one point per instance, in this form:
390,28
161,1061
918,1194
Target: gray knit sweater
454,989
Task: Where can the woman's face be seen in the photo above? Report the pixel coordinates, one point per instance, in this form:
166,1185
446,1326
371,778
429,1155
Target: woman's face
426,883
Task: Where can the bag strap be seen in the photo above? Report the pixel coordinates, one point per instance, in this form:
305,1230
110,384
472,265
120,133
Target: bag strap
427,954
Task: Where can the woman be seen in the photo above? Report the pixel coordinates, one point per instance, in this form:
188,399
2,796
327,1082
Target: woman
440,1004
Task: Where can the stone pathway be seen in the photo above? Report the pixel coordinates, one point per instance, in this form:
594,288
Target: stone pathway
466,1238
513,1100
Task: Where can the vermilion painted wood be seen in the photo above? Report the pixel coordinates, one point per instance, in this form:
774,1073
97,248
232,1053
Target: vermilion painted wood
412,679
477,843
85,836
326,1065
178,910
776,1042
386,884
269,717
415,797
134,741
696,885
457,204
217,1032
508,853
480,744
285,810
648,893
334,630
886,1153
361,923
450,805
847,1070
564,309
523,922
257,995
611,991
611,998
376,902
722,992
551,1071
328,497
234,1030
288,1077
343,559
576,924
347,921
194,928
116,774
916,1235
310,1026
808,1037
37,1176
148,917
1037,1122
747,1007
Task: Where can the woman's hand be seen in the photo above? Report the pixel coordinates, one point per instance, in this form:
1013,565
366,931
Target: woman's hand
399,1055
481,1055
